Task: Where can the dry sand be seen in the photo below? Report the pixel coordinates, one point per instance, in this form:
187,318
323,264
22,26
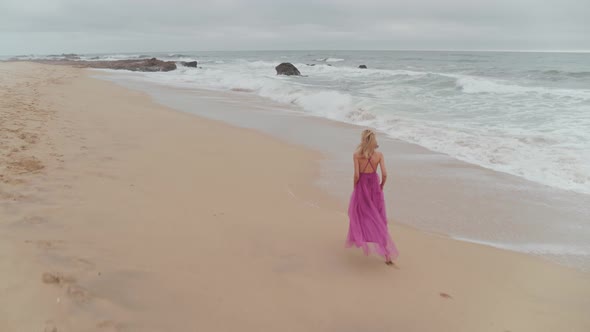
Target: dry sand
117,214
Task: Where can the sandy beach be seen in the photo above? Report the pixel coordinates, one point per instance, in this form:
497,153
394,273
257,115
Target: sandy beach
118,214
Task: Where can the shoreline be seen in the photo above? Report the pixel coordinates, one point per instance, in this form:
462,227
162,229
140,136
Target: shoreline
435,180
153,220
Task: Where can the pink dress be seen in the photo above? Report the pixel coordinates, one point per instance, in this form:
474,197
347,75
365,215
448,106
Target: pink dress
368,221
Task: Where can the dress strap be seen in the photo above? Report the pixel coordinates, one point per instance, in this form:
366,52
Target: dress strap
369,163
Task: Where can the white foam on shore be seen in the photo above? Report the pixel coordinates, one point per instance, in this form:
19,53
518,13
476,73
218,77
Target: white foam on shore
570,255
534,248
481,85
330,59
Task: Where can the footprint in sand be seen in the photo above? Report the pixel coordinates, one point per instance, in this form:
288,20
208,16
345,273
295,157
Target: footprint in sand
7,180
78,293
73,290
26,165
57,279
47,244
445,296
29,137
11,196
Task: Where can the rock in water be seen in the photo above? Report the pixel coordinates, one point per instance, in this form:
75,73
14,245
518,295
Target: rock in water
287,68
153,64
70,56
192,64
363,67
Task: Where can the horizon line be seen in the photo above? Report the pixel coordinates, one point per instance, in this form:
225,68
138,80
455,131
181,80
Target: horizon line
322,50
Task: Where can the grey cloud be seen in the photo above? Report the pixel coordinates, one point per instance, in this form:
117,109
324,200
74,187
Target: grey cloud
39,26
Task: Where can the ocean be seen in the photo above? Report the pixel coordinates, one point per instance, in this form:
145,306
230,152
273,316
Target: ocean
526,114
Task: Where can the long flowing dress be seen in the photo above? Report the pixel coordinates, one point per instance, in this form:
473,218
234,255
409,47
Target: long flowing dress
368,220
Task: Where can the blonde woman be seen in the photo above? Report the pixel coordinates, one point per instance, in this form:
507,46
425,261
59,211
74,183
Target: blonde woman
366,212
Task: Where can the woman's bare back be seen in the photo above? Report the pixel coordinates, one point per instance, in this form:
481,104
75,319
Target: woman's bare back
369,165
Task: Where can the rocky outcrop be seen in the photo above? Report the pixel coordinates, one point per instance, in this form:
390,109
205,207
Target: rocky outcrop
70,56
147,65
363,67
192,64
288,69
65,56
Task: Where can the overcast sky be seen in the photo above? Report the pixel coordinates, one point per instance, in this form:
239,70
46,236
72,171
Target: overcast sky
92,26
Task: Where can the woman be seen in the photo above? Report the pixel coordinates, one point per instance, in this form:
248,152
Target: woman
368,221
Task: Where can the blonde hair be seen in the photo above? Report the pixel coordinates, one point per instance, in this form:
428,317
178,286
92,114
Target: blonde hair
368,144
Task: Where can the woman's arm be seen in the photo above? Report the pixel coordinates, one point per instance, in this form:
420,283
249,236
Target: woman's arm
356,169
383,171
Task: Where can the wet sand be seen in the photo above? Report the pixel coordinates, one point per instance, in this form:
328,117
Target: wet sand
119,214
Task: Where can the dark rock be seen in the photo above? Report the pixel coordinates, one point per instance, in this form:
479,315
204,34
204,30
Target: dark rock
70,56
64,56
311,64
288,69
363,67
148,65
192,64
